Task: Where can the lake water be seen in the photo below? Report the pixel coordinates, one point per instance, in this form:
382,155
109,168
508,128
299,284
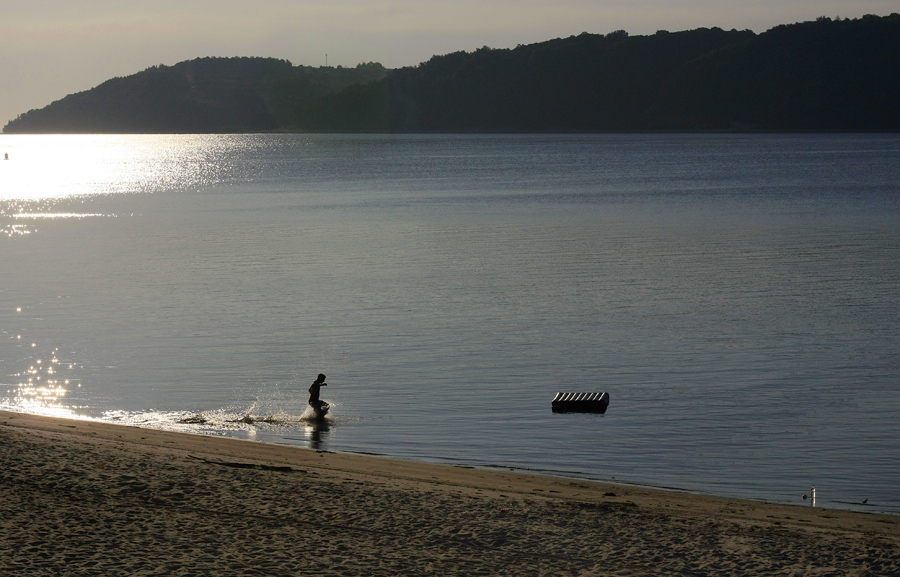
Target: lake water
738,296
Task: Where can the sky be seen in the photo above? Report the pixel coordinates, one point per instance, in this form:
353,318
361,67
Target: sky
51,48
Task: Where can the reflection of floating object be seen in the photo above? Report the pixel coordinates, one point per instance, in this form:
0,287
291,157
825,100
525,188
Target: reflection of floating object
580,402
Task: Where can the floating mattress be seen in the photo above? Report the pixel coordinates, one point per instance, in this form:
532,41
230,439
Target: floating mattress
580,402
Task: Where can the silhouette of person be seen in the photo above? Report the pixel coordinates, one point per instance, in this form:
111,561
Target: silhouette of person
314,391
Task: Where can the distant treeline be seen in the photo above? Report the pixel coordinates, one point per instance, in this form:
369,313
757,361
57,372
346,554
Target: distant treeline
826,75
206,95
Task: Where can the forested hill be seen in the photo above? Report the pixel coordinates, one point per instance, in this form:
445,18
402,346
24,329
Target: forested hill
198,96
841,75
826,75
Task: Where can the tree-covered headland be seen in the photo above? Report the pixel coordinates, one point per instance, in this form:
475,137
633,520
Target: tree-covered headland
825,75
205,95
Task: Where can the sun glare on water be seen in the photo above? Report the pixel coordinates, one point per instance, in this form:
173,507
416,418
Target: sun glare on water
50,176
43,386
48,167
53,167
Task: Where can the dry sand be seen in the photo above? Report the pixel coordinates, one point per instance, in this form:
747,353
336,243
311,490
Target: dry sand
85,498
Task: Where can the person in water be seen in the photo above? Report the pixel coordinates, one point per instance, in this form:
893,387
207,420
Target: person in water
314,391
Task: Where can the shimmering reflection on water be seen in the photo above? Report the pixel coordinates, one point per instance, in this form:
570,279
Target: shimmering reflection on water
51,167
43,386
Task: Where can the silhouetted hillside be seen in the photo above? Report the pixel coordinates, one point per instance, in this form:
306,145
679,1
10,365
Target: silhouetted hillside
827,75
823,75
202,95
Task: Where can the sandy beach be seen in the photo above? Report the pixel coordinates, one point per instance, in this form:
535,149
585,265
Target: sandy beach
87,498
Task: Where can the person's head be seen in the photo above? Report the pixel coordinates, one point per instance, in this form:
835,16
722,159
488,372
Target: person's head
321,378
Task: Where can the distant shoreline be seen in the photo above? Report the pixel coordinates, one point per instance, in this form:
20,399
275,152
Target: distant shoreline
827,75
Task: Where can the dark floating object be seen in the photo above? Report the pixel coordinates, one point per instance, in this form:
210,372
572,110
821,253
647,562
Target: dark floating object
192,420
580,402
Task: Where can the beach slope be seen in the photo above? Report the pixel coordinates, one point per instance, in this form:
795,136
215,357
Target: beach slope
87,498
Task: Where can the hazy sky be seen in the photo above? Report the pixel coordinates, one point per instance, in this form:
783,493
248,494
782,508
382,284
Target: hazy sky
51,48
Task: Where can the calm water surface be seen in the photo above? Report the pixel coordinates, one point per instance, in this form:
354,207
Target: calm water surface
737,296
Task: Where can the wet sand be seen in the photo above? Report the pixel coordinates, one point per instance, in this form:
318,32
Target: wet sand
86,498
